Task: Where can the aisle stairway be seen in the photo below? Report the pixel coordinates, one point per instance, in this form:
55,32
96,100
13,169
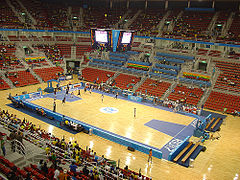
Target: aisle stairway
33,152
162,22
130,21
28,14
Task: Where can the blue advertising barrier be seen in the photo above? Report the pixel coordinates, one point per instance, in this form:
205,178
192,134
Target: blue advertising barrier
135,98
178,149
31,96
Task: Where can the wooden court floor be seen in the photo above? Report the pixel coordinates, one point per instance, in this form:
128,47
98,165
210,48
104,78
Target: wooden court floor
123,122
220,160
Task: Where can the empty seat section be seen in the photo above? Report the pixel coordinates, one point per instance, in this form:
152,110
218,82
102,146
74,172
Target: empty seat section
22,78
153,87
229,78
218,101
125,81
3,84
81,49
96,75
65,50
48,73
192,95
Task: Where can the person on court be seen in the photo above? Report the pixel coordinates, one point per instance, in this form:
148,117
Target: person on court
54,106
67,90
134,112
55,93
90,90
150,155
64,100
79,92
102,97
116,95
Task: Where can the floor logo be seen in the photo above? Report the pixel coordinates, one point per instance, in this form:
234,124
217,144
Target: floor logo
109,110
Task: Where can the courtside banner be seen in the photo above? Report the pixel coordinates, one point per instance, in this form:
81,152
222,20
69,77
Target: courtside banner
135,98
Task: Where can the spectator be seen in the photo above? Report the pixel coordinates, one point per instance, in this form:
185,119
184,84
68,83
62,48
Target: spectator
13,174
56,174
40,164
85,171
63,175
73,167
3,145
28,176
19,137
45,168
51,172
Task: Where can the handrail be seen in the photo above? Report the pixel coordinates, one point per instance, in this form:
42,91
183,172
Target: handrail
18,147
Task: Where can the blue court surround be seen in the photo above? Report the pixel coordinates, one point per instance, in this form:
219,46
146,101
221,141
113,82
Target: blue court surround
178,134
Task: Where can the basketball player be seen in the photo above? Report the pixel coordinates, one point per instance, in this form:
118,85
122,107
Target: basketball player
54,106
150,155
79,92
64,100
55,93
67,90
116,95
90,90
134,111
102,97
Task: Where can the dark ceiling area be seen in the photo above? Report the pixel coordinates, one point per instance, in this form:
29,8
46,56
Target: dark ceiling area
140,4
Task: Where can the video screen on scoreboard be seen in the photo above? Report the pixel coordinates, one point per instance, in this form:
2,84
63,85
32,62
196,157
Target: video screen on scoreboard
126,38
101,39
101,36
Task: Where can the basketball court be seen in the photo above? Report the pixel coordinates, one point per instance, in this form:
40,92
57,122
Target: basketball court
153,125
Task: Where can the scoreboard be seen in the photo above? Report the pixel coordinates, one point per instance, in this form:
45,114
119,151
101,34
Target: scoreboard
111,40
101,39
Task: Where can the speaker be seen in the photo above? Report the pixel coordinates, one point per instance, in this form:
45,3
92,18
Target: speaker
204,149
131,149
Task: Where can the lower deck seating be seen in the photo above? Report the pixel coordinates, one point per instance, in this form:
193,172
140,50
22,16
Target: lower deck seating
229,77
22,78
125,81
3,84
218,101
81,49
60,152
65,50
48,73
153,87
96,75
192,95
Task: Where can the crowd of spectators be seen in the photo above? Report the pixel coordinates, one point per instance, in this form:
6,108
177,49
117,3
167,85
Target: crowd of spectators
51,51
7,57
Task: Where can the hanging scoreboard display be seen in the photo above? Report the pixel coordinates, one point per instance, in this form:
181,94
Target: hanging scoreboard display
101,39
111,40
125,41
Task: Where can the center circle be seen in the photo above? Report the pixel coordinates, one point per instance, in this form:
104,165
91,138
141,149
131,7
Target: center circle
109,110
